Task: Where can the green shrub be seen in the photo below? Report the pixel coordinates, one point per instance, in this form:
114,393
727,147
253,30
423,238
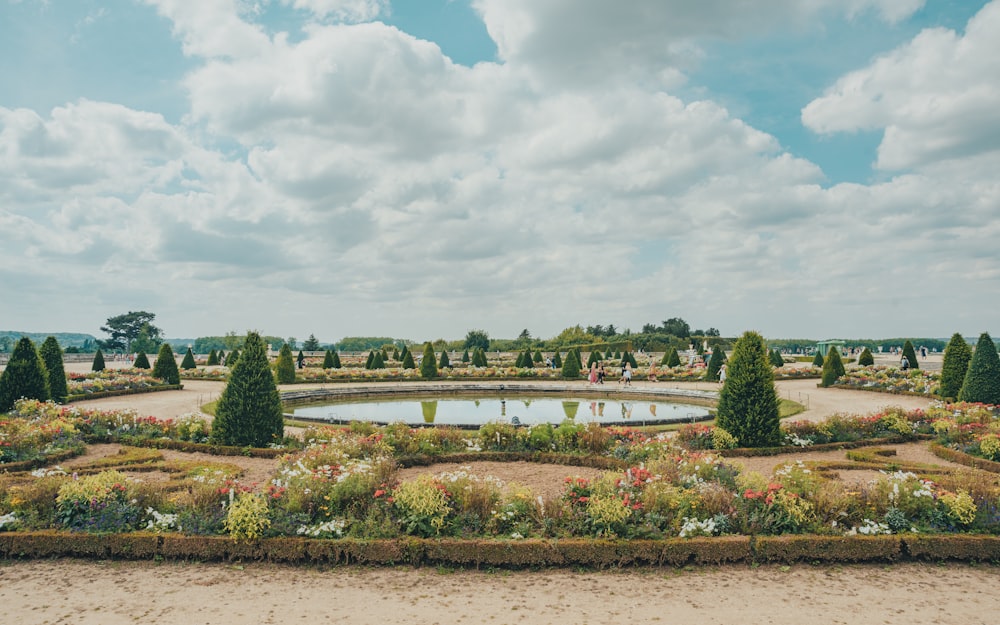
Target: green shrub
557,360
957,356
165,367
98,503
428,368
911,355
336,360
378,362
465,356
775,358
538,357
408,360
98,364
213,359
247,519
982,380
444,363
818,360
52,358
370,360
422,505
24,376
748,402
187,362
595,357
328,360
249,411
866,359
833,367
232,358
526,361
284,367
141,361
714,364
571,366
674,360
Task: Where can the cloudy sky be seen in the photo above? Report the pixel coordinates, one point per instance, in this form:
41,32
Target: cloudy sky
419,168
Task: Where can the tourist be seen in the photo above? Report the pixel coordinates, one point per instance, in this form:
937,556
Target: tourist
627,375
600,373
904,363
722,374
651,376
592,377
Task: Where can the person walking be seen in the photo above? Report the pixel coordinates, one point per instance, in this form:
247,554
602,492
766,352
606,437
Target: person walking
592,378
627,375
722,374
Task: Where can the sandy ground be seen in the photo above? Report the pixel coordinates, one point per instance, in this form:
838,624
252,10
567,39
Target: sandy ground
112,593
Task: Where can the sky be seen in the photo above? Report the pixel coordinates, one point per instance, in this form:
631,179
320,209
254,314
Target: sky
422,168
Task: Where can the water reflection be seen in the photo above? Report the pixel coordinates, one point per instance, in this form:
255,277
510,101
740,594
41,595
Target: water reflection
429,410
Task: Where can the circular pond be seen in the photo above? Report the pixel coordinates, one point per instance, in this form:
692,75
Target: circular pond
475,411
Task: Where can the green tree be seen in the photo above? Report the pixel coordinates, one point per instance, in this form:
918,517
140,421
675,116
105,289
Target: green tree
98,364
52,357
557,360
336,360
445,363
165,367
776,359
395,354
378,362
956,364
213,358
714,364
537,357
124,329
982,380
370,360
249,411
595,357
571,366
311,344
866,359
526,360
818,360
187,362
833,367
477,338
24,376
232,358
748,402
911,355
141,361
675,358
465,356
285,366
428,368
328,360
408,360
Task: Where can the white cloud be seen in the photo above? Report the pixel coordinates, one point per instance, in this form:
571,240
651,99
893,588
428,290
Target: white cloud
345,10
937,97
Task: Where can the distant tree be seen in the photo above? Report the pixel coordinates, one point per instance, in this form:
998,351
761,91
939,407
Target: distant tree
336,360
982,380
370,360
213,359
52,357
866,359
557,360
776,359
408,360
479,358
187,362
395,354
833,367
748,402
526,360
571,366
24,376
477,338
428,368
328,360
677,327
284,366
911,355
98,364
311,344
595,357
141,361
818,360
675,358
165,367
465,356
609,354
537,357
444,363
385,356
714,364
524,338
249,411
378,362
957,356
124,329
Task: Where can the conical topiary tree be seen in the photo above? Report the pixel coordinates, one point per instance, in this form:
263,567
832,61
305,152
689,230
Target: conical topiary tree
833,367
24,376
526,360
609,354
284,367
249,411
571,366
557,360
408,360
213,359
370,360
188,361
52,357
818,360
982,380
165,367
395,354
232,358
479,358
748,402
911,355
957,355
445,362
714,364
537,357
328,360
336,360
465,357
98,364
519,360
428,368
866,359
141,361
595,357
378,362
675,359
776,359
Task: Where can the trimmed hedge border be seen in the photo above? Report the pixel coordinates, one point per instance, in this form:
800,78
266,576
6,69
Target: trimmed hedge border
593,462
533,553
126,391
744,452
205,448
28,465
870,389
960,457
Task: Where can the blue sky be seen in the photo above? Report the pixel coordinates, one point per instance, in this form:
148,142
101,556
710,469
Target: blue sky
436,163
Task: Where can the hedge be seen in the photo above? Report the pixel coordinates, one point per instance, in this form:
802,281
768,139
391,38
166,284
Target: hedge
744,452
126,391
590,461
789,549
963,458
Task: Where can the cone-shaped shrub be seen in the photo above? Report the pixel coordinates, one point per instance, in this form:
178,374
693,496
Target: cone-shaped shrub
52,357
518,362
98,364
557,360
748,402
385,356
571,366
284,367
775,357
538,357
165,367
675,359
714,364
465,356
232,358
609,354
328,360
188,361
213,359
956,363
378,362
428,368
595,357
395,354
336,360
141,361
444,362
526,361
818,360
249,411
370,360
24,376
911,355
982,380
631,358
618,355
408,360
479,358
866,359
833,367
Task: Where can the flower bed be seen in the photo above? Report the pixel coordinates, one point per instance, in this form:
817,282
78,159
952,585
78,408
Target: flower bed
884,379
112,382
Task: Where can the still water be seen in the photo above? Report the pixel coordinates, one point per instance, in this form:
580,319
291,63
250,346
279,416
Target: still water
526,410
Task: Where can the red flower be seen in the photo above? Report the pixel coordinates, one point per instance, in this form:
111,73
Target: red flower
379,493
